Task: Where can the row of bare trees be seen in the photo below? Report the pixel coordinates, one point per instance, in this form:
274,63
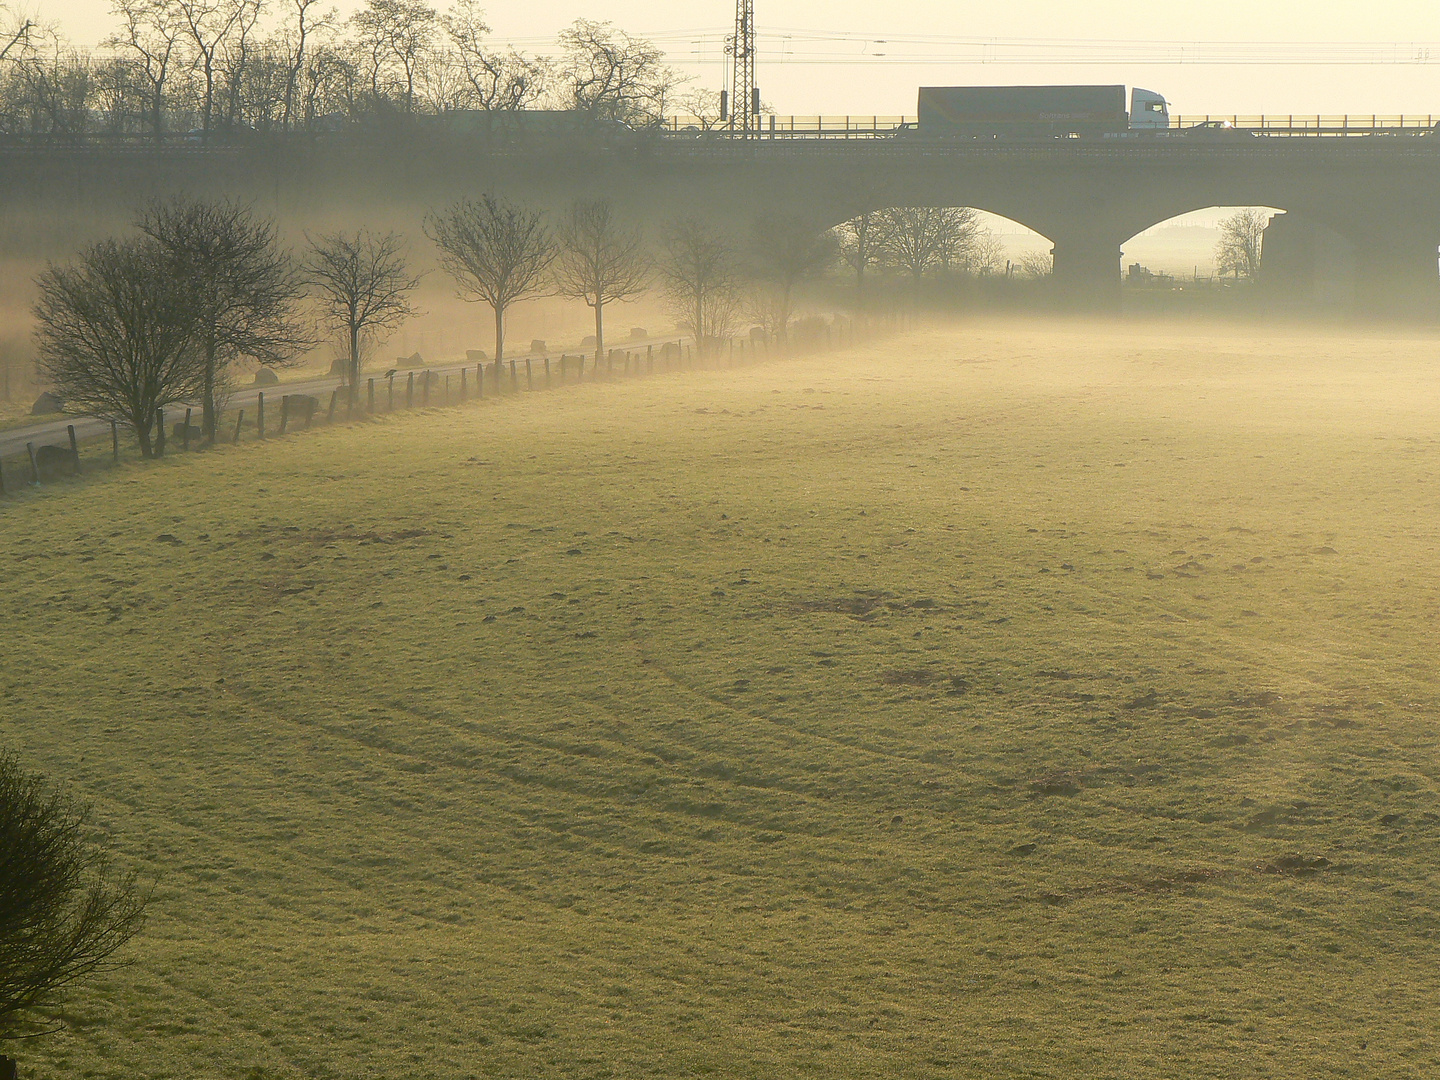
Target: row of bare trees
135,324
181,66
502,253
922,240
132,325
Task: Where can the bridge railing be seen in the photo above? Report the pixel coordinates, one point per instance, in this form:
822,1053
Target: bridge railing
787,127
883,126
1312,123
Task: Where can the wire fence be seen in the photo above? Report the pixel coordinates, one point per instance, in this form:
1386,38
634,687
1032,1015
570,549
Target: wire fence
275,413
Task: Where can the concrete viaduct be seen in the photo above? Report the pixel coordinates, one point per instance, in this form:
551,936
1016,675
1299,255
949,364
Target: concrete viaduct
1380,193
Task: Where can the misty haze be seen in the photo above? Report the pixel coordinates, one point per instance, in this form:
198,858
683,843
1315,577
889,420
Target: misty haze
535,547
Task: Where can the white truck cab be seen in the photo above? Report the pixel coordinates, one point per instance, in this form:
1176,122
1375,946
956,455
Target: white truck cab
1148,110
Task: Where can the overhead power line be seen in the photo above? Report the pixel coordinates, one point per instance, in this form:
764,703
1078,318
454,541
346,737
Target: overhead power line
798,45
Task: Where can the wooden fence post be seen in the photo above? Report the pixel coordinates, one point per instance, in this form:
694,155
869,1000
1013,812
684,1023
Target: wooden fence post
260,415
446,400
370,389
160,441
410,390
334,397
74,447
284,412
547,373
650,359
514,378
463,388
425,388
480,382
238,421
34,465
390,393
529,379
7,1068
185,435
115,441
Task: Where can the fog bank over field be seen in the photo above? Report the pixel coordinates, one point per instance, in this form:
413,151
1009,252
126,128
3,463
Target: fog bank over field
1009,698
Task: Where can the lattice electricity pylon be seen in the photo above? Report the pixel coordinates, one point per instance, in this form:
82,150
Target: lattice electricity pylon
744,97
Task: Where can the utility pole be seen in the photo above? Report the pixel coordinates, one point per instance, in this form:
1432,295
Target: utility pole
744,103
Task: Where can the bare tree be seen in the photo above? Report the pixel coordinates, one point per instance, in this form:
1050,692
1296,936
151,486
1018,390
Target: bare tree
207,23
1036,265
783,252
64,912
395,36
1241,234
859,243
924,238
245,289
492,80
600,261
496,251
151,34
364,285
607,74
305,26
115,334
986,254
701,279
237,60
15,37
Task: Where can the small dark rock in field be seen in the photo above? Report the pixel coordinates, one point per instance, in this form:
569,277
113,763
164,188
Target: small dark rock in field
1147,700
898,819
1389,819
572,551
1022,849
267,555
488,618
54,462
1055,784
1295,865
168,538
1327,550
908,677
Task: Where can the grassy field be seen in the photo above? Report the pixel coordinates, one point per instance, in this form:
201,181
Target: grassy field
996,702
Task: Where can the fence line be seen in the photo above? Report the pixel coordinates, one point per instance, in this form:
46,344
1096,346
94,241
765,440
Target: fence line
492,378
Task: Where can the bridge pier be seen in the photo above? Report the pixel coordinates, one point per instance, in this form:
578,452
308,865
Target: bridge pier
1087,270
1397,275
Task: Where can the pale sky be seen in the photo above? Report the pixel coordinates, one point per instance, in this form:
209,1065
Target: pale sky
818,56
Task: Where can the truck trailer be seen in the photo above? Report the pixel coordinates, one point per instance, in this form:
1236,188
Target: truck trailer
1037,112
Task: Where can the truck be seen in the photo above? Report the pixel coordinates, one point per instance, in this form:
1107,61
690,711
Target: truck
1037,112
